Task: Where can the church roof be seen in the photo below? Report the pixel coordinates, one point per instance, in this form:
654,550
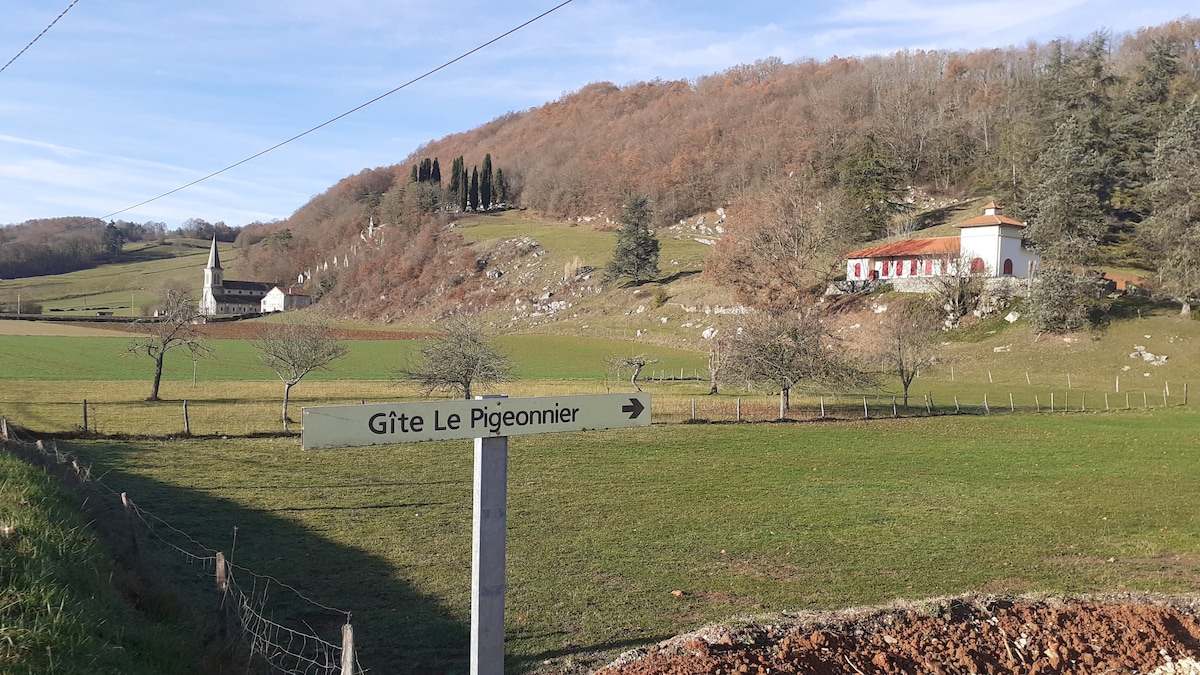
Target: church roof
214,260
261,286
237,300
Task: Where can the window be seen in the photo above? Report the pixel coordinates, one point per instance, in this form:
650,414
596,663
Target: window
885,269
912,267
857,270
928,268
1008,266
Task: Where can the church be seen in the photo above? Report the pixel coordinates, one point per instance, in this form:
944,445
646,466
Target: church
243,297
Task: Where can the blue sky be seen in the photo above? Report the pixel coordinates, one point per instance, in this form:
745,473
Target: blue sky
123,100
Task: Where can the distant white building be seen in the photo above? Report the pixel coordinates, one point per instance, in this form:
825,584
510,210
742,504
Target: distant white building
230,297
991,244
280,300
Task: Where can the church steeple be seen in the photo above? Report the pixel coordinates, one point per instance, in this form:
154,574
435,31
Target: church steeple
213,274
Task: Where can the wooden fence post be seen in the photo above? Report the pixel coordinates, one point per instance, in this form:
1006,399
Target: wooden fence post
222,594
986,409
347,650
1145,401
1127,400
85,423
1051,401
1037,403
822,407
990,377
187,424
957,409
1068,384
693,405
1118,389
894,414
132,523
1106,400
865,415
1083,402
1185,393
739,408
1011,407
951,373
1027,378
4,429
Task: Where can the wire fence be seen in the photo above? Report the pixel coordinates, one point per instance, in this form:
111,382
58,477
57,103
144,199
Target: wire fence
849,406
243,596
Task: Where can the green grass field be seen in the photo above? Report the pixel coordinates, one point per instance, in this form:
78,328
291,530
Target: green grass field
743,519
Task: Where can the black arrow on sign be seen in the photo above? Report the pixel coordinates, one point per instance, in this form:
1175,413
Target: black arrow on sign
634,408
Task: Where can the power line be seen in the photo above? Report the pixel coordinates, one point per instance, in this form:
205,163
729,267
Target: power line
39,36
348,112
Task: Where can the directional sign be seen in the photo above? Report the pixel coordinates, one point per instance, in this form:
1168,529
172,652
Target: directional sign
380,424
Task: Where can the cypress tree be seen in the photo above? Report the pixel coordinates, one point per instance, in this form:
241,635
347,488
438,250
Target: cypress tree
474,196
426,169
485,182
501,187
413,178
463,190
453,192
435,173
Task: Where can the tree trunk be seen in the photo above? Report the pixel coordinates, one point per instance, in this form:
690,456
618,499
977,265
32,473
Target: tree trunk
1186,310
287,390
787,398
158,365
637,370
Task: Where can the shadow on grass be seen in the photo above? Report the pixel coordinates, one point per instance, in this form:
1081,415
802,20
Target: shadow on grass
396,629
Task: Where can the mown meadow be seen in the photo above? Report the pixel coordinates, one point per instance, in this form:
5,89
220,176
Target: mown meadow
621,538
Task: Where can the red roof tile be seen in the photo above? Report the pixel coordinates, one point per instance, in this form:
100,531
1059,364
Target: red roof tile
997,219
909,248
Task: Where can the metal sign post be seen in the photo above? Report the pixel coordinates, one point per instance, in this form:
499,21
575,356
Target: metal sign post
490,421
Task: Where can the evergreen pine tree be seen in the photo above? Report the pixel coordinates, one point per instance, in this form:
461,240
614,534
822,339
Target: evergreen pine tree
413,178
1173,231
1067,220
636,252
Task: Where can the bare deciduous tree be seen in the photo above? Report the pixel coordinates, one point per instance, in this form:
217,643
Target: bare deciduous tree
294,349
958,289
786,350
175,327
457,362
637,363
908,332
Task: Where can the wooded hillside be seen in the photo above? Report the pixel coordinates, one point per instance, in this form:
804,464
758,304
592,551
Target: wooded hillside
809,159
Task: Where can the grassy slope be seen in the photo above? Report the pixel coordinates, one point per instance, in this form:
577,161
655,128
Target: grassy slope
60,612
112,286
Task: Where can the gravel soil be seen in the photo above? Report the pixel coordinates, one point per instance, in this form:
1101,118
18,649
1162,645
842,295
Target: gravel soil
949,636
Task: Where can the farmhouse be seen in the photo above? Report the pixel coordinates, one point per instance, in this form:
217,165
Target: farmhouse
990,244
243,297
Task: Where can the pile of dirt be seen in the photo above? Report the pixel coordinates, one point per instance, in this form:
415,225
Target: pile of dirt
948,636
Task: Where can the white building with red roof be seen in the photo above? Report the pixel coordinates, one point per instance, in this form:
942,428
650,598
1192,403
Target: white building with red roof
991,244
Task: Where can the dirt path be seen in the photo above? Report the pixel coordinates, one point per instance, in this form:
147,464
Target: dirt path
955,636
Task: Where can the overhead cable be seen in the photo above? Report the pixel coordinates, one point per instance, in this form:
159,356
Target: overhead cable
39,36
348,112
